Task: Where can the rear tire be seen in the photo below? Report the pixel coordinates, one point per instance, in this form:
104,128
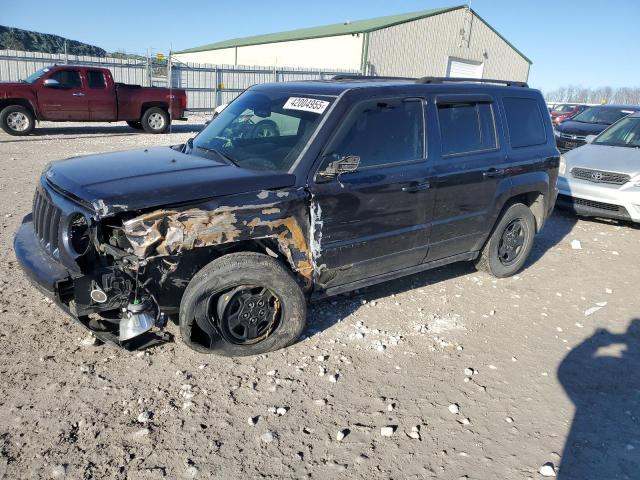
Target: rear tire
155,120
17,120
210,321
510,243
136,125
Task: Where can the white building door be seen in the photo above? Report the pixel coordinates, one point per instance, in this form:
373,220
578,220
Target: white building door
464,68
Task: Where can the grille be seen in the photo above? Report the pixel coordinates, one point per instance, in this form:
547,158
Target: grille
594,207
599,205
568,136
599,176
46,221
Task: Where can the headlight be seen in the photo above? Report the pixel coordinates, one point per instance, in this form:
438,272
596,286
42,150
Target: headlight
562,168
78,233
556,132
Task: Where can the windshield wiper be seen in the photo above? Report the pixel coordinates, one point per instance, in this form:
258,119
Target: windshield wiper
225,156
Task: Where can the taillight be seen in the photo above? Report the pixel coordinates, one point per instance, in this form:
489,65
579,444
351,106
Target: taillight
183,101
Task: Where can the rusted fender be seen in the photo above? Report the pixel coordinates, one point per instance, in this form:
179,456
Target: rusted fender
281,215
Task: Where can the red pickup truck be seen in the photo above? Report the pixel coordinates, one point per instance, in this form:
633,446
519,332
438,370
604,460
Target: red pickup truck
71,93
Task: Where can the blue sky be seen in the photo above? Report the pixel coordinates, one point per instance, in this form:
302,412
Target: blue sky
589,43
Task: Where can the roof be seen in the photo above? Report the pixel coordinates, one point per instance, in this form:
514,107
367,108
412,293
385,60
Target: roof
614,106
346,28
386,84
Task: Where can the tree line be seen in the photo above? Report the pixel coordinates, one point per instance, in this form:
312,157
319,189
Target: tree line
577,94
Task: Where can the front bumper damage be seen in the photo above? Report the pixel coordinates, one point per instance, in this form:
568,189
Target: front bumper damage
59,284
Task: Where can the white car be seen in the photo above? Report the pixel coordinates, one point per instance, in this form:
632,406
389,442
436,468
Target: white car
602,177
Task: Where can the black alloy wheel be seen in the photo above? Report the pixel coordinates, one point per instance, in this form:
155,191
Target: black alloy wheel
507,248
511,242
243,303
247,314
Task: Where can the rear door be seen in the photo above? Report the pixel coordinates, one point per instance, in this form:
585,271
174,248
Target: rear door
101,97
376,219
67,100
468,163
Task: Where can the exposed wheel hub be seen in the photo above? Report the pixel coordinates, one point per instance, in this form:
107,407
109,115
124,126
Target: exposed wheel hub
247,314
511,242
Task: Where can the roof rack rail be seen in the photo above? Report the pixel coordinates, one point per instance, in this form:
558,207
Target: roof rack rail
354,76
508,83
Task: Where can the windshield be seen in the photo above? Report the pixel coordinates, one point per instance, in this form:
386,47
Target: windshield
603,115
36,75
625,133
263,130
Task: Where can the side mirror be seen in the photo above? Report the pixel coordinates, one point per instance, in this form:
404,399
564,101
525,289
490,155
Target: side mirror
334,165
51,83
590,138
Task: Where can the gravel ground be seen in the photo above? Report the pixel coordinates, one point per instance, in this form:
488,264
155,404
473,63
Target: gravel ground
476,377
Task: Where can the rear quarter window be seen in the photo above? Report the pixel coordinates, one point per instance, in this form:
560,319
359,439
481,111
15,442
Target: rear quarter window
466,127
524,122
95,79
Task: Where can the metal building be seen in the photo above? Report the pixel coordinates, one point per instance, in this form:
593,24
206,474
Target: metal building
453,41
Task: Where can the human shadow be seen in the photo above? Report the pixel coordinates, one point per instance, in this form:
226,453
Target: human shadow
601,378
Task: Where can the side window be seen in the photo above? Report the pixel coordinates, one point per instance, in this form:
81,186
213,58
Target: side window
524,122
68,78
383,132
95,79
466,127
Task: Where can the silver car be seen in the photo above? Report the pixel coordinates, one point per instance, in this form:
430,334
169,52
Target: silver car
602,178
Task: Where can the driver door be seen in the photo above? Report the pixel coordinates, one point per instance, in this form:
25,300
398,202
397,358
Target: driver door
67,100
375,219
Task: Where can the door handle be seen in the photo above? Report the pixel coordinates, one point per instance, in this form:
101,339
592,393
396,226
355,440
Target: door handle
78,94
494,173
417,187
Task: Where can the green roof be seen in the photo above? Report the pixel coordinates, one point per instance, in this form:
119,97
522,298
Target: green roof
346,28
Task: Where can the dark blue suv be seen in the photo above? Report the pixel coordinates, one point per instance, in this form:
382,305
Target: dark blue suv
593,120
295,191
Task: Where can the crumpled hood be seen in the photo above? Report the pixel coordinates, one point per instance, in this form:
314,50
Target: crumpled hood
606,158
138,179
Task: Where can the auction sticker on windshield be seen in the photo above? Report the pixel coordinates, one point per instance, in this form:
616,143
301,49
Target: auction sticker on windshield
306,104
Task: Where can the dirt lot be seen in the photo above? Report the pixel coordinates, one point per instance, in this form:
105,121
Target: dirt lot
545,385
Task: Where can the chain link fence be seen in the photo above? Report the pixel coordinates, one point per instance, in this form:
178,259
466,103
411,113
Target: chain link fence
207,86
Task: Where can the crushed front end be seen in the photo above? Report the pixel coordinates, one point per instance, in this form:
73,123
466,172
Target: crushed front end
122,271
60,247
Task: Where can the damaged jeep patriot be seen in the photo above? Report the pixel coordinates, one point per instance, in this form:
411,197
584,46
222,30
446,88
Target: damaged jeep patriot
294,192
